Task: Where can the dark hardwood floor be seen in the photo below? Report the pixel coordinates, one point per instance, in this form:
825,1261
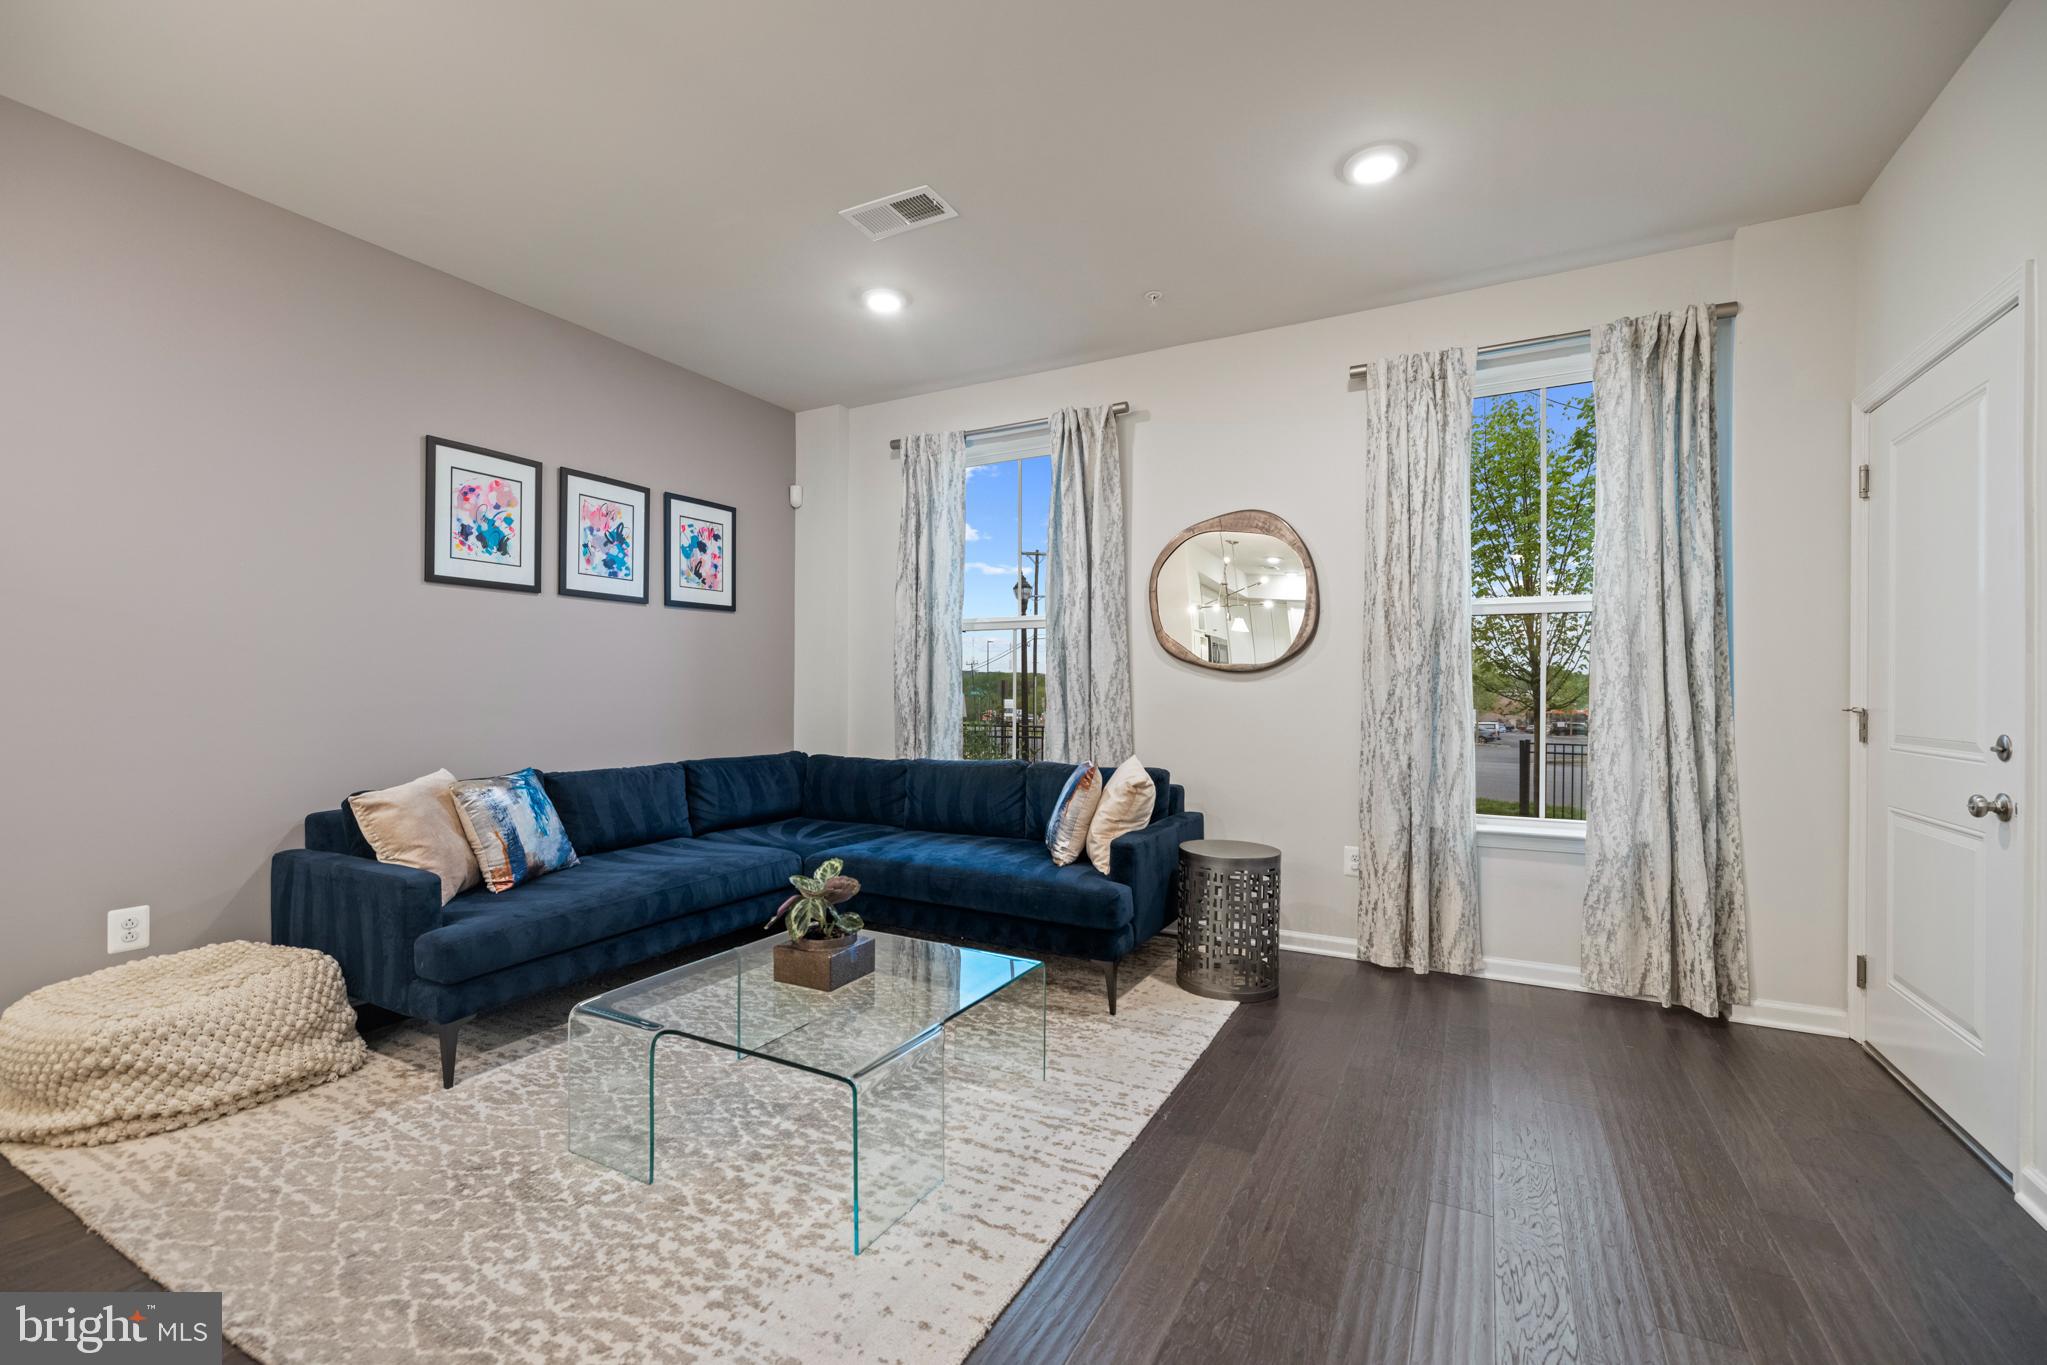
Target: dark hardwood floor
1383,1168
1379,1167
44,1247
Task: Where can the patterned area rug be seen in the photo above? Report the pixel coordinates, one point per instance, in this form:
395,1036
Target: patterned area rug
381,1218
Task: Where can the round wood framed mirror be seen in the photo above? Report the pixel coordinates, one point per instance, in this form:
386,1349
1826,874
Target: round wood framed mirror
1235,593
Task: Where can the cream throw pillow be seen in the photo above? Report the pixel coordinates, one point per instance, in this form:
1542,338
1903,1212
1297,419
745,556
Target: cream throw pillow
415,825
1126,805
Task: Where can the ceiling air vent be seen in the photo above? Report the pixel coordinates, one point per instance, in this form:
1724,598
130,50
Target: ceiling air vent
894,213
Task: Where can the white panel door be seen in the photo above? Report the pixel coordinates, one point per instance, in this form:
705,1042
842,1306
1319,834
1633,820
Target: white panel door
1947,677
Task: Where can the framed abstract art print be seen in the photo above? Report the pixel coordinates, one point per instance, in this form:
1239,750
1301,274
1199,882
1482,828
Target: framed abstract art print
482,517
603,538
698,551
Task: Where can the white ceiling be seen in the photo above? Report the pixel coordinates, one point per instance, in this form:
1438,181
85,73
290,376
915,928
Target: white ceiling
670,173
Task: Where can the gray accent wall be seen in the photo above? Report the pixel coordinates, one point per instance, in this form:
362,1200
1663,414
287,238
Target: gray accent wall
213,618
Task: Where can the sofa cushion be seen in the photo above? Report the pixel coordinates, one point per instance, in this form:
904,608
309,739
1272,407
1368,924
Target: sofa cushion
607,808
969,796
997,876
724,792
869,790
1044,781
604,894
809,839
336,831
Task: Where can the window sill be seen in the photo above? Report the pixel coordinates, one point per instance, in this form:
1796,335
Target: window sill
1536,836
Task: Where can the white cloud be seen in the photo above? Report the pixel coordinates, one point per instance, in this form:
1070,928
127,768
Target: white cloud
993,570
973,535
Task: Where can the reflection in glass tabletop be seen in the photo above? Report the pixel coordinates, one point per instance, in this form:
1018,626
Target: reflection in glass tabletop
883,1036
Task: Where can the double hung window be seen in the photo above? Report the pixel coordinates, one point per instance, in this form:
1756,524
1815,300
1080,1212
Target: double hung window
1009,502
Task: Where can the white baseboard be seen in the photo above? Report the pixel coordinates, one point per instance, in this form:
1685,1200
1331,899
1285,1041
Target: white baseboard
1777,1014
1784,1014
1554,975
1321,945
2030,1188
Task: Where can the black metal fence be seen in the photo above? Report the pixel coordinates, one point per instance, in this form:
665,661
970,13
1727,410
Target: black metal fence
1563,763
1017,737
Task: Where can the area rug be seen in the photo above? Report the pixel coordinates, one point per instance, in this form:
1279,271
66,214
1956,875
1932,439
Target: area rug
381,1218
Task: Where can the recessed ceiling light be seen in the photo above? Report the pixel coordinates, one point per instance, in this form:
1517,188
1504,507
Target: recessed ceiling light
1273,560
1376,164
884,301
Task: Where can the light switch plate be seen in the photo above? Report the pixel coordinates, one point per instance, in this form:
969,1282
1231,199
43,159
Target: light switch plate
128,929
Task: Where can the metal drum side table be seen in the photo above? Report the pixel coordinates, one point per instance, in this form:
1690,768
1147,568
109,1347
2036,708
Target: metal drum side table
1229,919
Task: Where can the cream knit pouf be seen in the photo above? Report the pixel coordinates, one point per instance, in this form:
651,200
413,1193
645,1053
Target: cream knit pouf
166,1042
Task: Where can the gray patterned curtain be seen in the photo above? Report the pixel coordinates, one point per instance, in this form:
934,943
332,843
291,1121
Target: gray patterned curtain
1418,883
1666,908
1087,614
931,596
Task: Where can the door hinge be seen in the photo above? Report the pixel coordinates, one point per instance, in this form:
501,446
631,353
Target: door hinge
1862,482
1861,714
1861,972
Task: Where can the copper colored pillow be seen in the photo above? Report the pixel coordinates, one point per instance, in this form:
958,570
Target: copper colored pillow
415,825
1073,815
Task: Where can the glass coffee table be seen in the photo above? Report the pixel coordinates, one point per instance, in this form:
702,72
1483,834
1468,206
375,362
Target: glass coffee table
883,1037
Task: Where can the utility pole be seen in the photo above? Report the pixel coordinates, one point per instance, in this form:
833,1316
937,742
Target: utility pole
1029,644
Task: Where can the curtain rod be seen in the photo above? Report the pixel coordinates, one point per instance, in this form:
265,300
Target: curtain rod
895,447
1720,310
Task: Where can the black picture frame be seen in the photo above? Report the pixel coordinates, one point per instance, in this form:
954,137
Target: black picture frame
432,517
731,602
565,558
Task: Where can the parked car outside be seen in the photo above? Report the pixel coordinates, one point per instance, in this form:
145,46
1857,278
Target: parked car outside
1490,730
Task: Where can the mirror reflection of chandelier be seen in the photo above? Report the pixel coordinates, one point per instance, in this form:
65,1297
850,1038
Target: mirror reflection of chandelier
1230,596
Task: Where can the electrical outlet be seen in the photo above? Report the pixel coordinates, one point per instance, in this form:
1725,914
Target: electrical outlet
128,929
1350,860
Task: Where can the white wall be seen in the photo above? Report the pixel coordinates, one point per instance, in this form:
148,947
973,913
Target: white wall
1792,369
1266,420
1961,205
824,528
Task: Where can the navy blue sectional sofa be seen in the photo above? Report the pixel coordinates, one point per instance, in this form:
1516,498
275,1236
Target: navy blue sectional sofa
677,853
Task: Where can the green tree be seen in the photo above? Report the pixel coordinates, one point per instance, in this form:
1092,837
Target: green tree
1509,557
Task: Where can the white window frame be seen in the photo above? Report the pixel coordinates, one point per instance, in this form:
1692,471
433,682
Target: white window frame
1004,447
1533,366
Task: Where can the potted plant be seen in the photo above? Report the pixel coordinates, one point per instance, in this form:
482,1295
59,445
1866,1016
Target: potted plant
825,949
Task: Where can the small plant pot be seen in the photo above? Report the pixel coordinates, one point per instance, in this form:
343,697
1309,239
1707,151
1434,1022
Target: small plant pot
824,964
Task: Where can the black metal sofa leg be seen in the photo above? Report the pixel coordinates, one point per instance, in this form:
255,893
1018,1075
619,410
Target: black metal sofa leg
1112,986
447,1033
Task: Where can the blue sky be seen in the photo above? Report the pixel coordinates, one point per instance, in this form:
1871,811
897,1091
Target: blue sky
992,516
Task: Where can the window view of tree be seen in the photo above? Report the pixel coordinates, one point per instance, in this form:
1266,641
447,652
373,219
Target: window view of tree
1533,462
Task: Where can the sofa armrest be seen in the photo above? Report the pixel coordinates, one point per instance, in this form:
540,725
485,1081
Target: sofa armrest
1148,862
365,914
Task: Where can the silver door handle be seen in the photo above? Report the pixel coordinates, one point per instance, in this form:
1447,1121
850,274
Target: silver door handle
2000,805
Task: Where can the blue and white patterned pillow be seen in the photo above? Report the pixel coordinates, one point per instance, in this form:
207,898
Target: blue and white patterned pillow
513,828
1072,814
